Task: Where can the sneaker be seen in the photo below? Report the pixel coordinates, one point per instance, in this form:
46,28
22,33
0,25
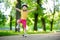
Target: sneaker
24,35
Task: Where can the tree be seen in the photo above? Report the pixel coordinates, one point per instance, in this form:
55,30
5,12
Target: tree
10,22
36,17
2,19
43,23
7,5
42,16
35,21
18,5
52,20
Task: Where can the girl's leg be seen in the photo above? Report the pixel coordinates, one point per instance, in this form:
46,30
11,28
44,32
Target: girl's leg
24,27
17,27
24,30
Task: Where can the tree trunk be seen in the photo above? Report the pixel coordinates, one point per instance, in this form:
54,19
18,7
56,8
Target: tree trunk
36,20
51,25
42,19
18,5
52,22
43,23
10,22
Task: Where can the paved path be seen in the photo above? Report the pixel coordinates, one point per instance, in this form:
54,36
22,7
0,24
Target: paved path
52,36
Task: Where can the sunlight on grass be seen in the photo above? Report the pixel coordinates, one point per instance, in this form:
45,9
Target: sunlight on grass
9,33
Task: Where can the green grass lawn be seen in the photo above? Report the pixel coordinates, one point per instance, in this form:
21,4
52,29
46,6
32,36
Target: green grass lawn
9,33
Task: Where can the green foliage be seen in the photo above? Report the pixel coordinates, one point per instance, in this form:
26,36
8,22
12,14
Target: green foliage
2,19
30,20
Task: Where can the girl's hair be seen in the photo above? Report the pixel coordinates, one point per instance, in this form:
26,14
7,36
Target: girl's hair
25,6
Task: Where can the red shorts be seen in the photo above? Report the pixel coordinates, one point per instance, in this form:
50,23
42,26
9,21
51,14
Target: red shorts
23,21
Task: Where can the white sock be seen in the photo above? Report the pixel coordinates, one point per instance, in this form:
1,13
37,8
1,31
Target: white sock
17,26
24,31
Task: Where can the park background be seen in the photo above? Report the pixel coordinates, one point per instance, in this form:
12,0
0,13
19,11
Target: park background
45,19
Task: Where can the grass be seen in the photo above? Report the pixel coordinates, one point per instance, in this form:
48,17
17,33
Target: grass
37,32
9,33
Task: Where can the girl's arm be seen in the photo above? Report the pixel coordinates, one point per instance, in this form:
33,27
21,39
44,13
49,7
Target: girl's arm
18,9
33,9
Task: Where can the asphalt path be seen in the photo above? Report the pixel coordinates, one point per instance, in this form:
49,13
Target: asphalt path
51,36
